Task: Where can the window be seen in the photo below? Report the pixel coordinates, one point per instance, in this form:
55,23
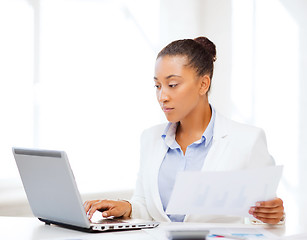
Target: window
83,84
16,81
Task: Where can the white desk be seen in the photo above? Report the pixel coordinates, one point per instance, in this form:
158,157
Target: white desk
31,228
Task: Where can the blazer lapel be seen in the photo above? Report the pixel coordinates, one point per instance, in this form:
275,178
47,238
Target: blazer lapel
220,142
157,160
212,161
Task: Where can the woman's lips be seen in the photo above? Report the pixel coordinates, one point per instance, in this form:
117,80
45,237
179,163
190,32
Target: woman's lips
166,110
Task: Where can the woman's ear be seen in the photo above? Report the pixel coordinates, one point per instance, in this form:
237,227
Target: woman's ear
205,82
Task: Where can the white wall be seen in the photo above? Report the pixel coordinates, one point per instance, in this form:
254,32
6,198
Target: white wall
190,19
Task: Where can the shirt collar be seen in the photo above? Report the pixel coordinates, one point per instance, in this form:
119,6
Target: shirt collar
169,133
208,133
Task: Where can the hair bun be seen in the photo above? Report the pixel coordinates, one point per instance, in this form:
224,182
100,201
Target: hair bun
208,45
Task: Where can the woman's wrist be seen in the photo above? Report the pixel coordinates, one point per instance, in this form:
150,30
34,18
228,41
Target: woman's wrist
128,208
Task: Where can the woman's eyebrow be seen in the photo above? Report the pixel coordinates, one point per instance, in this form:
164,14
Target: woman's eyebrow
168,77
173,75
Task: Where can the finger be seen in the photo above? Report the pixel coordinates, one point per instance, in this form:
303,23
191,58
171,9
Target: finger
270,204
277,215
100,205
268,217
87,205
279,209
117,209
269,220
112,212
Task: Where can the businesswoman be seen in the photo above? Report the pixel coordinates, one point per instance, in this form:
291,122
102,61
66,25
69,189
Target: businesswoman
196,138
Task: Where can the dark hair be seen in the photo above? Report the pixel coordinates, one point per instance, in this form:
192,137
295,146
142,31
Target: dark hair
200,53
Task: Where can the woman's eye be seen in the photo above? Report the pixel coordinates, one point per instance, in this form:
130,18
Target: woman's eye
157,86
173,85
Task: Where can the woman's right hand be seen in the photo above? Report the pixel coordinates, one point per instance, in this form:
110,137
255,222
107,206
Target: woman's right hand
108,208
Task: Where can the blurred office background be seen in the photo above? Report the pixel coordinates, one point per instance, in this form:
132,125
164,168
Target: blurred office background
77,75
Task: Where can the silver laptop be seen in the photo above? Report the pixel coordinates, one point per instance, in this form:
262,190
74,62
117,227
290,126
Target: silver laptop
53,194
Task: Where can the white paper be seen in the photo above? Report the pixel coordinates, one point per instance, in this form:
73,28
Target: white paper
223,193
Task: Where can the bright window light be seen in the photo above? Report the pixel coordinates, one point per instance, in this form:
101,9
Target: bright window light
94,93
16,81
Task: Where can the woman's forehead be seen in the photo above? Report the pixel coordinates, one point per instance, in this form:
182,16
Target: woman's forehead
172,65
178,59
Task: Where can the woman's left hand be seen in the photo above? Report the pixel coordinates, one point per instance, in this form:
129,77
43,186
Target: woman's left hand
268,211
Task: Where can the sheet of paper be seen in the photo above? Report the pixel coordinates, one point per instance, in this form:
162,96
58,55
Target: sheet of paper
223,193
240,233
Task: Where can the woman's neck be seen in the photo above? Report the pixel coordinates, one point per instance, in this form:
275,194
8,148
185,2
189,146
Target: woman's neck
197,122
193,126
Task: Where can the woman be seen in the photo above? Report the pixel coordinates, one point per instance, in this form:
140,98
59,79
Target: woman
196,138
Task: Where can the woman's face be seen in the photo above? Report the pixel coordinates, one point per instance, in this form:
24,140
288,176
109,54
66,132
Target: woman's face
177,87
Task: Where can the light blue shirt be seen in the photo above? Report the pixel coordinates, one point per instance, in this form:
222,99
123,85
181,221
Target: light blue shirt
175,161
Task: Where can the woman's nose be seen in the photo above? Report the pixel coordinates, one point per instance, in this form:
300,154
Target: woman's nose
163,95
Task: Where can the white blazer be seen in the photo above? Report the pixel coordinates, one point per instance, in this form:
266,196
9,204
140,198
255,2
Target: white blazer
234,146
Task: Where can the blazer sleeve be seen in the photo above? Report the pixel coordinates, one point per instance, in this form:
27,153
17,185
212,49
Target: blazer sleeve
259,154
138,200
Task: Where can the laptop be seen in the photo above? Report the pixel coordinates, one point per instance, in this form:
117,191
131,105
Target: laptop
53,194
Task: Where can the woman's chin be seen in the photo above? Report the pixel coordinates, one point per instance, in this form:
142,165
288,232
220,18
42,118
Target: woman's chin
171,119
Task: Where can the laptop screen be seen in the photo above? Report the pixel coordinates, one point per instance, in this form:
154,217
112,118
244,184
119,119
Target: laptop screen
50,186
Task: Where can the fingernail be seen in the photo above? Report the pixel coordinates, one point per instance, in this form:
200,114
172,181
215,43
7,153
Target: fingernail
258,204
104,214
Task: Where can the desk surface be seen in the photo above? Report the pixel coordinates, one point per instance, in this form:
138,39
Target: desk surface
32,228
